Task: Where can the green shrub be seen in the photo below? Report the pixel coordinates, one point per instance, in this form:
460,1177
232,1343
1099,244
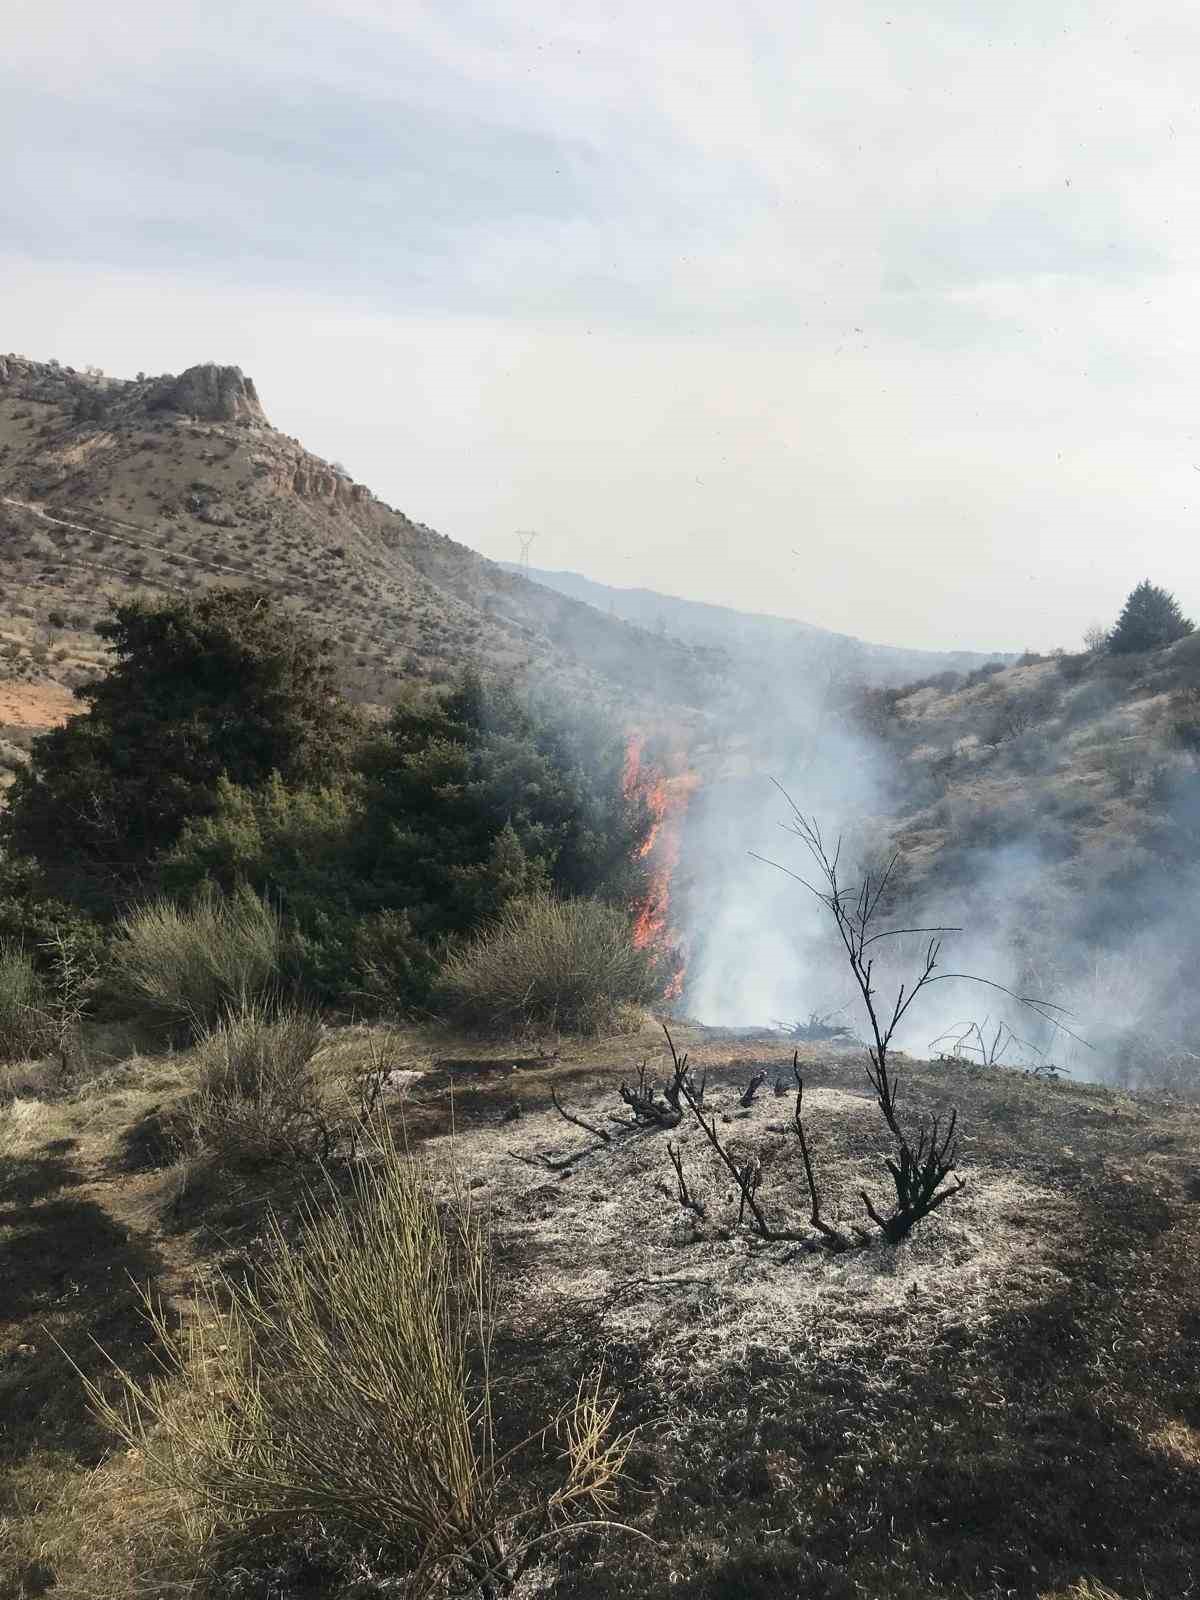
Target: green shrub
32,918
347,1387
184,968
25,1025
260,1098
567,964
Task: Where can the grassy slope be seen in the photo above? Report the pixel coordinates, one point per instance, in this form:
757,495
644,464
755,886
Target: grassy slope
1006,1405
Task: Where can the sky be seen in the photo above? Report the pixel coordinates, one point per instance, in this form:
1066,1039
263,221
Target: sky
882,317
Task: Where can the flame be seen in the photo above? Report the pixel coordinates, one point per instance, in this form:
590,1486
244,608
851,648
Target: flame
666,798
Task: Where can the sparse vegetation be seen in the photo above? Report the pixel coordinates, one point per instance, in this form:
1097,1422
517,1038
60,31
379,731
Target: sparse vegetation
993,1380
350,1387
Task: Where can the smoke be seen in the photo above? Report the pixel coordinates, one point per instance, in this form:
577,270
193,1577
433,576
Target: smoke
757,941
1063,867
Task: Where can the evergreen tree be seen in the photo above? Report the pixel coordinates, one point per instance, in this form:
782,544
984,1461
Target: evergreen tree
459,806
226,685
1150,619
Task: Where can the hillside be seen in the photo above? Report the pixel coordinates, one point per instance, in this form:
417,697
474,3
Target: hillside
1053,809
1005,1407
110,488
755,637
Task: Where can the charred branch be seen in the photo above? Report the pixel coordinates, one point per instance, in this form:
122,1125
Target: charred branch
833,1239
643,1101
918,1176
642,1098
568,1116
686,1198
752,1088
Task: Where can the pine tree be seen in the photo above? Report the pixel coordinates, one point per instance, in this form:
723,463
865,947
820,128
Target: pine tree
1150,619
225,685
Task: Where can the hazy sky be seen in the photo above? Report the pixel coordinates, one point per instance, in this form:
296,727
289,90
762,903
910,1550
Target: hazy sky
885,317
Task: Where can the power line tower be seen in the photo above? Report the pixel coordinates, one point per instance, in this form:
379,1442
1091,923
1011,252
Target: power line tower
526,540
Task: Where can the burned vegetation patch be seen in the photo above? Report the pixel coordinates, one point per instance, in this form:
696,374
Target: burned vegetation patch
1002,1404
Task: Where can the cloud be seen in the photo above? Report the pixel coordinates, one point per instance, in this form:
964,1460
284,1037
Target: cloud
913,288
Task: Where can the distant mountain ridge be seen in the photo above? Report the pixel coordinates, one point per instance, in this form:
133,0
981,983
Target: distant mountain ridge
749,633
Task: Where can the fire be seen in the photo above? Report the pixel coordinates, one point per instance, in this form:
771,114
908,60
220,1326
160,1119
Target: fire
666,798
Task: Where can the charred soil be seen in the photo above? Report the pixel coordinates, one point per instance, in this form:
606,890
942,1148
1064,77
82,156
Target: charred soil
1006,1404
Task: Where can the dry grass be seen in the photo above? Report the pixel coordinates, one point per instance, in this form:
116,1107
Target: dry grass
261,1096
22,1126
1003,1408
1085,1589
184,968
563,964
349,1385
25,1029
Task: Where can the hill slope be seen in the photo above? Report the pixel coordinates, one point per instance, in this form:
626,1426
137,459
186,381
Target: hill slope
111,487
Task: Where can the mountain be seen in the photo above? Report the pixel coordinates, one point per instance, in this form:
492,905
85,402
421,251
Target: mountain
752,634
112,487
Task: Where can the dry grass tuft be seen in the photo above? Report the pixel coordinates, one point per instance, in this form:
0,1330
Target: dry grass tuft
568,964
349,1385
25,1030
261,1097
22,1126
185,968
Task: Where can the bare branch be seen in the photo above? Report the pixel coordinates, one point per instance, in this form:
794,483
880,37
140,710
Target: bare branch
686,1198
567,1116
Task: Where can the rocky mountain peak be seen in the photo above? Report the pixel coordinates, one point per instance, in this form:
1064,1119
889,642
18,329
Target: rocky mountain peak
210,393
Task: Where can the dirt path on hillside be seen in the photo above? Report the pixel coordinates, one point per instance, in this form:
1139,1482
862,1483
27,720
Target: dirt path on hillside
34,705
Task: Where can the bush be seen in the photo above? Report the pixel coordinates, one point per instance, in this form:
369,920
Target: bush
184,969
989,669
260,1098
348,1387
568,964
1072,667
31,918
25,1025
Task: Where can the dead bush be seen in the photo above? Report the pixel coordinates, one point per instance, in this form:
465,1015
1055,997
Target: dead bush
349,1388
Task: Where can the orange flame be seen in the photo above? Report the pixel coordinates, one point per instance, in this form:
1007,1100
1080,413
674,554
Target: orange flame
667,800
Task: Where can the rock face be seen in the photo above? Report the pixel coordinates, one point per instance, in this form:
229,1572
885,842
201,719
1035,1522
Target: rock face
210,393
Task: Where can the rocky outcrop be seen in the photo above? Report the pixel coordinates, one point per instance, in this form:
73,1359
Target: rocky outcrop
313,480
210,393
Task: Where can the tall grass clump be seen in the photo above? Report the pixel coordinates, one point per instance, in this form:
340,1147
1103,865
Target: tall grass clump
348,1387
184,967
26,1029
260,1096
570,964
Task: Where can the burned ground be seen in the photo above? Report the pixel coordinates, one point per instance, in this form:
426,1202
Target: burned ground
1004,1405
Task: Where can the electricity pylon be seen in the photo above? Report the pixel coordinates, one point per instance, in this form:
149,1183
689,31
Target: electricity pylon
526,540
